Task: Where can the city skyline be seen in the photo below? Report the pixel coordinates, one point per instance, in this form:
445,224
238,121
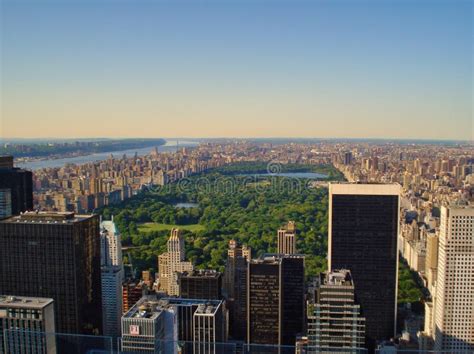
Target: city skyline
336,233
239,68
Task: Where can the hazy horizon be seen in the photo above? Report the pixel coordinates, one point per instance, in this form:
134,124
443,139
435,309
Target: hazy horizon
204,138
252,69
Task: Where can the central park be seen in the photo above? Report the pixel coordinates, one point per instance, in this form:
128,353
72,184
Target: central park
243,202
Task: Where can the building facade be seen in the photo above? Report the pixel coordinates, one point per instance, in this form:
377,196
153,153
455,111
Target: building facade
150,326
132,292
27,325
5,203
55,255
209,329
235,288
111,277
275,299
363,234
20,184
287,239
201,324
454,307
110,244
200,284
334,320
173,262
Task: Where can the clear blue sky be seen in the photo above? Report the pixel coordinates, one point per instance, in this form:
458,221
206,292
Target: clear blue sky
388,68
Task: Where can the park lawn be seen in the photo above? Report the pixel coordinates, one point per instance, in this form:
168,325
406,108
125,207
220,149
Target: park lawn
262,183
154,226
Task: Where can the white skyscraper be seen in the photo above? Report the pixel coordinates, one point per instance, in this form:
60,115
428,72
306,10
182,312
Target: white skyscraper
454,307
112,276
110,244
173,262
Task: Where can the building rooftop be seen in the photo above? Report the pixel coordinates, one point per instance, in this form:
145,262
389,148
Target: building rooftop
276,258
148,307
24,302
151,306
46,217
190,302
365,188
337,277
109,227
206,309
202,273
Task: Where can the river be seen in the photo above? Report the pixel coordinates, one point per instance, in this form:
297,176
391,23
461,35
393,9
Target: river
170,145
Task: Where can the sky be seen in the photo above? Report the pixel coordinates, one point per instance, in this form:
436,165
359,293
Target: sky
228,68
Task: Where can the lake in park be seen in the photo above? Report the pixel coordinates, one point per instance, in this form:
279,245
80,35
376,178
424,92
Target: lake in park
186,205
309,175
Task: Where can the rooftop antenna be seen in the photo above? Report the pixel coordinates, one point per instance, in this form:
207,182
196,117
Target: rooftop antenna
177,145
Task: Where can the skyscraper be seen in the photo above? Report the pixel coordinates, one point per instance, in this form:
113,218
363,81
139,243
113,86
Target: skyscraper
454,306
173,262
209,332
235,288
200,284
27,325
150,326
20,184
287,239
110,244
363,230
334,320
55,255
111,277
235,254
347,158
202,324
275,299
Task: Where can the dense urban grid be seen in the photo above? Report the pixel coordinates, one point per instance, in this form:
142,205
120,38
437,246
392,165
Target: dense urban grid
242,246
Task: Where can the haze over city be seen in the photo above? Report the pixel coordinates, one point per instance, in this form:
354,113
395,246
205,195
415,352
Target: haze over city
363,69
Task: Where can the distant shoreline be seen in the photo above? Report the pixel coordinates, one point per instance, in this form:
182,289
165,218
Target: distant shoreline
71,149
47,162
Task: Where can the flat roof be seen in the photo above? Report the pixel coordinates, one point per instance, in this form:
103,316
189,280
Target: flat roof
337,278
274,258
46,217
24,301
206,309
190,302
202,273
365,188
458,210
146,308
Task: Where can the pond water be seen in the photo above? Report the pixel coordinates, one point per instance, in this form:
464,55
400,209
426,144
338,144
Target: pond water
186,205
310,175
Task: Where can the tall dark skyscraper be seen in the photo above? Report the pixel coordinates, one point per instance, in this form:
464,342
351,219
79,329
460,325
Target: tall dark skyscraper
363,229
55,255
19,183
347,158
235,288
275,299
